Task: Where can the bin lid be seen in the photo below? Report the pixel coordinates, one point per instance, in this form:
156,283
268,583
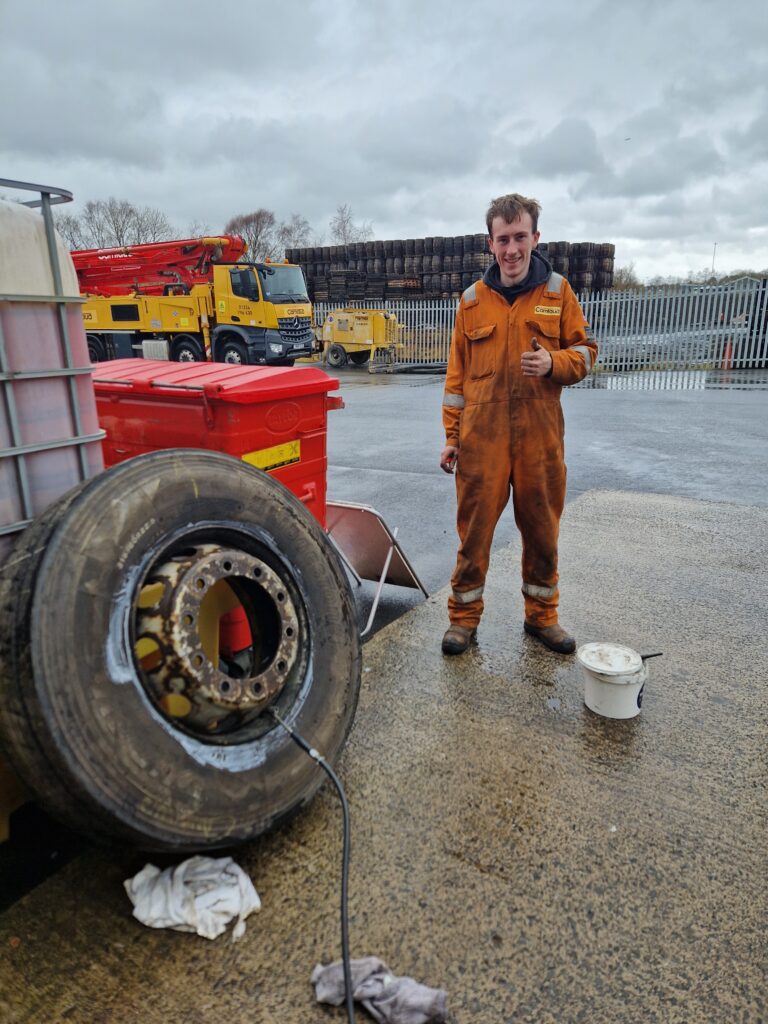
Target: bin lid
217,381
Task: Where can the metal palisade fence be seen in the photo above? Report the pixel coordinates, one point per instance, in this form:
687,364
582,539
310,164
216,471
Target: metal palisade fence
679,327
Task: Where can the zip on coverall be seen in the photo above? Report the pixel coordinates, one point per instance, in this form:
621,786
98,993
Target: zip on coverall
509,432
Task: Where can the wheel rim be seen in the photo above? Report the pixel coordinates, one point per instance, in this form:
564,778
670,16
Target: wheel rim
233,356
215,695
186,356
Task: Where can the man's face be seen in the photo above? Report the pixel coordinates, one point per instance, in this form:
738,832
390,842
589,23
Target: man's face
512,245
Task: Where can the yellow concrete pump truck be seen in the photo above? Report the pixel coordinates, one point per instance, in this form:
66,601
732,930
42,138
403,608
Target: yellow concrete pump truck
191,300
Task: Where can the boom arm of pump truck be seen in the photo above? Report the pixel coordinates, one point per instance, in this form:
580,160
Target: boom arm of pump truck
156,268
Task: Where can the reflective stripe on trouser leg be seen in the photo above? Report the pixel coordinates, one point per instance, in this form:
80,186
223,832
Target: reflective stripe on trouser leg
540,604
538,494
482,491
467,596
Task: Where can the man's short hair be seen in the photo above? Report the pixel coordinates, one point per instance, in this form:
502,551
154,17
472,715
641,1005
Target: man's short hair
510,208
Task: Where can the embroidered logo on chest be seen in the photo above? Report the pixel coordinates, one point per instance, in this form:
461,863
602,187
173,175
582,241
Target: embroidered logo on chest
547,310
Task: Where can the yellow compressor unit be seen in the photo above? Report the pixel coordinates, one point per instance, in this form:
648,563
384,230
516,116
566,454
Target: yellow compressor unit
359,336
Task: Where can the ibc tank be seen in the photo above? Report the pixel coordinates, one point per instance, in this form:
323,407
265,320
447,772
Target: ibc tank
49,432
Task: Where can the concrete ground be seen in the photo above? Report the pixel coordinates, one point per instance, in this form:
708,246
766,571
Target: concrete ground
539,862
383,451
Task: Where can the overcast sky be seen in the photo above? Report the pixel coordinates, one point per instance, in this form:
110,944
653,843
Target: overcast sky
641,123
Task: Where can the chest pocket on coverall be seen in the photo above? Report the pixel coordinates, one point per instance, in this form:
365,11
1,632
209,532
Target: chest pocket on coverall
546,331
482,355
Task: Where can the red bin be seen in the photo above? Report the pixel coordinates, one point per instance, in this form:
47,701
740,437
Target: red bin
272,417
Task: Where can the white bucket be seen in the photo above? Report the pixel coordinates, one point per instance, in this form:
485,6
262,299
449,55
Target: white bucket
614,679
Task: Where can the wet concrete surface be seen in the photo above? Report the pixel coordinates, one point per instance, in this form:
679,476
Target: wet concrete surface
383,451
539,862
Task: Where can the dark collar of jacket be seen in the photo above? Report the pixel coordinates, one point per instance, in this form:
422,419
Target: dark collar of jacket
538,273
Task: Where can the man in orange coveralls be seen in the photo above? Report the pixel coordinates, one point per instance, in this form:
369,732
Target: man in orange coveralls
520,335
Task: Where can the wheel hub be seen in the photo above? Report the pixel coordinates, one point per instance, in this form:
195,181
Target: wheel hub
178,636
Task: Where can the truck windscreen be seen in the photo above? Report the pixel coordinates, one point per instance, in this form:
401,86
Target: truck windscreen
283,284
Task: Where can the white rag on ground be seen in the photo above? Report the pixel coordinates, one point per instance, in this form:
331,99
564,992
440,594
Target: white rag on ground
202,894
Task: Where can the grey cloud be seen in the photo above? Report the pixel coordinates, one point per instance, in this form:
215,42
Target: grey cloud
709,85
80,113
665,169
751,143
180,44
415,113
647,126
569,148
744,208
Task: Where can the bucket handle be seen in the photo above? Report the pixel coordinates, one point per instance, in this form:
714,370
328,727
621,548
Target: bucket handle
645,657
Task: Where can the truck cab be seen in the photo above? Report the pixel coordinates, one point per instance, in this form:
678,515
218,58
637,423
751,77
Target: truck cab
262,314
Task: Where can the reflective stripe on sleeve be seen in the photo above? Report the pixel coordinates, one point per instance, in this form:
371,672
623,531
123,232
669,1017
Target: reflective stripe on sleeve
533,591
465,596
470,294
586,352
453,401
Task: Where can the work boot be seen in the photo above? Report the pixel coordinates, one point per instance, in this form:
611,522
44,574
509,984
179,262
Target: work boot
553,637
457,639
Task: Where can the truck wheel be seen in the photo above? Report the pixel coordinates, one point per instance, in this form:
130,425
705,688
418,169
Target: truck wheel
359,358
232,351
97,351
337,357
118,707
187,349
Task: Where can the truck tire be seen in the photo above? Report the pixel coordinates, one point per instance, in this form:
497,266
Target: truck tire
359,358
337,356
85,723
97,350
186,348
232,351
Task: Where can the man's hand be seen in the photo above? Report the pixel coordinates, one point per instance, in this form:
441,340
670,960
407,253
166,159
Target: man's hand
537,363
448,457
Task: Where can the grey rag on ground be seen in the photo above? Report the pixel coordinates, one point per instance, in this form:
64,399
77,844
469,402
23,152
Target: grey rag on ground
388,998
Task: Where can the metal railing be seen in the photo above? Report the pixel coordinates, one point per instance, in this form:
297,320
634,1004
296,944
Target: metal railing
681,327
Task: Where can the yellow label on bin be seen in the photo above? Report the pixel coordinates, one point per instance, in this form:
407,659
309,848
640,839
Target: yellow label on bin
275,457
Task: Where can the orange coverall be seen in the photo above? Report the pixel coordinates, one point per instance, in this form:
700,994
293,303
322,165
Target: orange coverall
509,432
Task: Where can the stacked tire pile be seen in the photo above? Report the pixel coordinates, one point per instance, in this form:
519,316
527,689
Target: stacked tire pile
587,265
393,269
432,268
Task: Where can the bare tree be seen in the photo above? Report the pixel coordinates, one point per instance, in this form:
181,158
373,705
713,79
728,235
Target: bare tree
344,229
113,222
198,229
294,233
151,225
69,227
117,217
259,229
625,278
